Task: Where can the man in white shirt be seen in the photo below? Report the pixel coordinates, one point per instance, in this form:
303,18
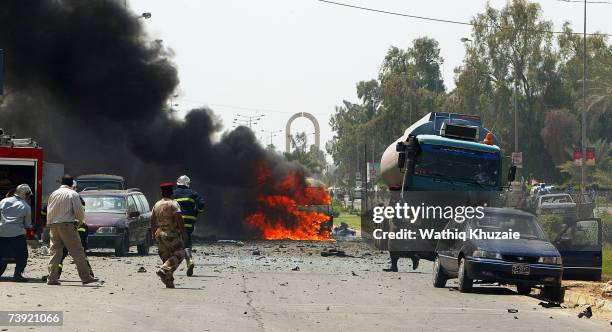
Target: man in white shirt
63,208
15,218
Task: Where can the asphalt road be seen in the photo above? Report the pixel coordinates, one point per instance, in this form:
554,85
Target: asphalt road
234,290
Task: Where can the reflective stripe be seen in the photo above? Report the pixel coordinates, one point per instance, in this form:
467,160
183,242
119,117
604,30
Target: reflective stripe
188,225
43,213
200,210
190,217
61,266
185,199
82,230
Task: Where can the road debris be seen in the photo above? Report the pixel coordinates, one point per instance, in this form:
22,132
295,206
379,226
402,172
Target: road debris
512,311
256,252
142,270
343,231
334,252
587,312
297,268
234,242
550,304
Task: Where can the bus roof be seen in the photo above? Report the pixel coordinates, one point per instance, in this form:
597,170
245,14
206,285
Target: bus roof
439,140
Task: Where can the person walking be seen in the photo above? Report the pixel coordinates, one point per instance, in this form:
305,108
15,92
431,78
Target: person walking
191,203
167,225
15,223
63,208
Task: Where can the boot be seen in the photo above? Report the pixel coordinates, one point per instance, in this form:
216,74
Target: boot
394,258
415,262
189,261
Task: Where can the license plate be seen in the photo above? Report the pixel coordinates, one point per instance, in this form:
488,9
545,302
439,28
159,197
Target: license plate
520,269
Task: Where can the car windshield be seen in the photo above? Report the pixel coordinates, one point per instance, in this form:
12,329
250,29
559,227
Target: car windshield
455,164
99,184
556,199
112,204
527,226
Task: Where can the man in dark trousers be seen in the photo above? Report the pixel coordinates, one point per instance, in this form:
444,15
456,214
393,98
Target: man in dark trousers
191,203
15,224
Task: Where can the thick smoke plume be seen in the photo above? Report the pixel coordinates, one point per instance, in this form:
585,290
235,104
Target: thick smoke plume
85,81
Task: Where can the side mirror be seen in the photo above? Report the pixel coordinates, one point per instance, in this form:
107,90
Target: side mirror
133,214
511,173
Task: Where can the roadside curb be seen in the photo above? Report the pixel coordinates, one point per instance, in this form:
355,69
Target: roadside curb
579,299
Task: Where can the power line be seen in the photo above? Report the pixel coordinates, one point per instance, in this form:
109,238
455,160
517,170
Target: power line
439,20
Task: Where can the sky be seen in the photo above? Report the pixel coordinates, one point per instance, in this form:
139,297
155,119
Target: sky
280,57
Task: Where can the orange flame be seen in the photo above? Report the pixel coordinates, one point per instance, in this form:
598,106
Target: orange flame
283,213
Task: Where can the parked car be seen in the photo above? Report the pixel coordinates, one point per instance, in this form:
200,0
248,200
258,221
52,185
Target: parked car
100,182
118,219
562,204
525,262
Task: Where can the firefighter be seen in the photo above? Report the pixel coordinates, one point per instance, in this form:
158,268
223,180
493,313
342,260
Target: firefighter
191,203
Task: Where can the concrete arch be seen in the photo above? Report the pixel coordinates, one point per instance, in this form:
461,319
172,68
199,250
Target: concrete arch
314,122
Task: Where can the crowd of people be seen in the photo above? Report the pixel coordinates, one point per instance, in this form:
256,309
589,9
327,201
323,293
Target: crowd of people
172,225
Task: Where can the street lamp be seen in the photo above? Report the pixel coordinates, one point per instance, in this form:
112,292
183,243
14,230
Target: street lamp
272,133
145,16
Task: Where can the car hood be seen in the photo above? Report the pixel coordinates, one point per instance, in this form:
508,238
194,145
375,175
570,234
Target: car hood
519,247
94,220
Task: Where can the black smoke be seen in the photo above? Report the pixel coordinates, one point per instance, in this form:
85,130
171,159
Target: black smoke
84,79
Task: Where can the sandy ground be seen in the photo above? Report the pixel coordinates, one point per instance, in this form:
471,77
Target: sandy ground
235,290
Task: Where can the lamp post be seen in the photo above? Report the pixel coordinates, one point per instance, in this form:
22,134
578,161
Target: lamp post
272,133
583,115
247,120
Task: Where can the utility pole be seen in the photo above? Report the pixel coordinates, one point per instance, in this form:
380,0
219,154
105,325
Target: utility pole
584,104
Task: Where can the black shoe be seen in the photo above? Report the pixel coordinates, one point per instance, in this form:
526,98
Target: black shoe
20,278
415,263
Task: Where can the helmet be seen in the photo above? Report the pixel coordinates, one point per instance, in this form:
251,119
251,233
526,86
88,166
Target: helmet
23,190
183,180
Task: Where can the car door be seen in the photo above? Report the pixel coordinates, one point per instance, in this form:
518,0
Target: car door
581,249
134,222
145,213
447,249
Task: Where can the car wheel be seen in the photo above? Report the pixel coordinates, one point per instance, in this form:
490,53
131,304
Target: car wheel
143,249
439,278
465,283
523,289
553,293
123,247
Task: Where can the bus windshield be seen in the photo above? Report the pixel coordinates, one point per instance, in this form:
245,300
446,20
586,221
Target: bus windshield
456,164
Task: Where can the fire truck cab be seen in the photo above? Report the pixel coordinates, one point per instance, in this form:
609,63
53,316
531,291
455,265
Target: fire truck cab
21,161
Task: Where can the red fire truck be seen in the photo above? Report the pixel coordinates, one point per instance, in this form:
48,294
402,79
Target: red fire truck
21,161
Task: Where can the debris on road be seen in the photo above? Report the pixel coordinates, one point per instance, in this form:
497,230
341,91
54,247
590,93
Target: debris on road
256,252
343,231
512,310
549,304
237,243
354,274
334,252
284,283
587,312
142,270
297,268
